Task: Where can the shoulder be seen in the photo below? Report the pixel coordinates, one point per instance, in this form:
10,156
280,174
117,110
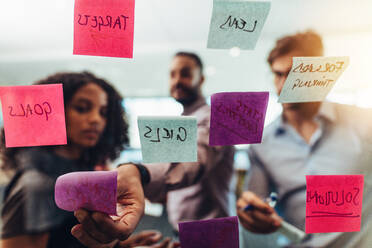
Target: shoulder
267,137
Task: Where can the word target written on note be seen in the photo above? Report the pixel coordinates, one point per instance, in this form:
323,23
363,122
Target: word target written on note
334,203
312,78
33,115
216,233
168,139
237,117
237,23
104,28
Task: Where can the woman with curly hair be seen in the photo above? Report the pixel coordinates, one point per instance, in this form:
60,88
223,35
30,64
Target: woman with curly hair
96,133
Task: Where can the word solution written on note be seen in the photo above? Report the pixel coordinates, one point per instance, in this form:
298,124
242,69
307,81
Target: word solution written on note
334,203
104,28
312,78
168,139
237,23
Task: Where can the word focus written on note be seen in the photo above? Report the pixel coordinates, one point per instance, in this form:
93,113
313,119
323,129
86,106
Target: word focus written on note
168,139
237,118
213,233
237,23
33,115
312,78
334,203
104,28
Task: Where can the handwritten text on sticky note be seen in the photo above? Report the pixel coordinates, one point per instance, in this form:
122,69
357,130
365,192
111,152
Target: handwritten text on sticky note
213,233
92,190
312,78
333,203
104,28
168,139
237,117
33,115
237,23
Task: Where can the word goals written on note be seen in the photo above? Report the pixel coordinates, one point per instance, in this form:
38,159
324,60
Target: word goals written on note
168,139
33,115
312,78
216,233
104,28
237,23
334,203
237,117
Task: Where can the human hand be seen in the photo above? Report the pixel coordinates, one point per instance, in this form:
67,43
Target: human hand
99,230
261,218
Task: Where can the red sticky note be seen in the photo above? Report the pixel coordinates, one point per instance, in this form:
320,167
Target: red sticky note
104,28
33,115
334,203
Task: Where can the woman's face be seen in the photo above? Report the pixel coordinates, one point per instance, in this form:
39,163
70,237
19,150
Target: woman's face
86,116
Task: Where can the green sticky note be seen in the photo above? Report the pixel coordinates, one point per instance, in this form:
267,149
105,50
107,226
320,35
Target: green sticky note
237,23
168,139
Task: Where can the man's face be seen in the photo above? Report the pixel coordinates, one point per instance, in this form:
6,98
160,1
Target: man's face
281,67
185,79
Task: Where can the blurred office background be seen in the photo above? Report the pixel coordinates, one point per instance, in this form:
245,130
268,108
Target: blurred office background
36,39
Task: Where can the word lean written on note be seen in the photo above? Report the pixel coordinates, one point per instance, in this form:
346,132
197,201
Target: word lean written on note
334,203
237,23
168,139
237,117
33,115
104,28
312,78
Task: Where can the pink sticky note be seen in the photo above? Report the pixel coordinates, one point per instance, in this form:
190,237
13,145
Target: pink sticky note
237,118
104,28
213,233
91,190
333,203
33,115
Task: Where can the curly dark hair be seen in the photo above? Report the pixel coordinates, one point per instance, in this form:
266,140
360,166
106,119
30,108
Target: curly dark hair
113,139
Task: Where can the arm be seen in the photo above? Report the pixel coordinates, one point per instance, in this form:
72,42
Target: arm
262,218
171,176
26,241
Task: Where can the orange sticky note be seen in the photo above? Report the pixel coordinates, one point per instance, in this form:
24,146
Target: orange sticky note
104,28
334,203
33,115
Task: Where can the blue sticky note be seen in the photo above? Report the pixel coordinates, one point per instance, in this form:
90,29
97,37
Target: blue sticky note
237,23
168,139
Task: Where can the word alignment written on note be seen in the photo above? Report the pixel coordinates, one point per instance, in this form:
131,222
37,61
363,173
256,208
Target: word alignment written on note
334,203
237,23
216,233
104,28
237,117
168,139
312,78
33,115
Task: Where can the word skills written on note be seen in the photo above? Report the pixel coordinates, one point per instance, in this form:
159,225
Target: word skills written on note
33,115
312,78
237,118
237,23
213,233
104,28
334,203
168,139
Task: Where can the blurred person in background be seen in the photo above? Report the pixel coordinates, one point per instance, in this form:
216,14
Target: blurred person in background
312,138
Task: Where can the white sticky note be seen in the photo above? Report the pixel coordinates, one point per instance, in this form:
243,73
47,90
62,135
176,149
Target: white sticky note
168,138
312,78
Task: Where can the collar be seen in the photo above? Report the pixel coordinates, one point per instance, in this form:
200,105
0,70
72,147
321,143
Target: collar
193,107
326,112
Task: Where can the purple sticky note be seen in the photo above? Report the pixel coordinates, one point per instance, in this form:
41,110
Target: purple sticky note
91,190
237,118
214,233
